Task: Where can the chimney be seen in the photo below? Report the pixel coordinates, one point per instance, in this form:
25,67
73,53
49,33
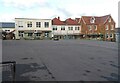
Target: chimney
58,18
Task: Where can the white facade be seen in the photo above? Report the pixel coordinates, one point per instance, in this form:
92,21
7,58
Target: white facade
8,29
66,30
32,26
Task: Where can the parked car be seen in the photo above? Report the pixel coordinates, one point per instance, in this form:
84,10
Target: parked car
56,39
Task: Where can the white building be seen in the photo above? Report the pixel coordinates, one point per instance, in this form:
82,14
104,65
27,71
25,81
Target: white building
66,29
33,28
7,26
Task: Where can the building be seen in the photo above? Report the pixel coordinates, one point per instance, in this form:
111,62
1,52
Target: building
7,26
7,30
117,35
98,27
68,29
29,28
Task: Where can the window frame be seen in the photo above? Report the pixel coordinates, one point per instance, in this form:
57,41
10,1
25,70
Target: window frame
62,28
29,24
106,27
38,24
46,24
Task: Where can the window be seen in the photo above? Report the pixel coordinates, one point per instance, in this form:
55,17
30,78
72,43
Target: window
107,35
46,34
38,24
89,27
92,20
110,20
20,24
37,34
112,27
95,27
46,24
70,28
30,34
29,24
106,27
54,28
7,30
77,28
62,28
111,35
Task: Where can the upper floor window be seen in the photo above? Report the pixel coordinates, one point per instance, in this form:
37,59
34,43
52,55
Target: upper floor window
110,20
112,27
20,24
29,24
92,20
46,24
62,28
106,27
89,27
95,27
54,28
38,24
70,28
77,28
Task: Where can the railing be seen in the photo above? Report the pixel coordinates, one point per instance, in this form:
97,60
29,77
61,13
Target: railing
9,66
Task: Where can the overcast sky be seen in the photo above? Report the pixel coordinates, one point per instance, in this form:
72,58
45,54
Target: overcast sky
48,9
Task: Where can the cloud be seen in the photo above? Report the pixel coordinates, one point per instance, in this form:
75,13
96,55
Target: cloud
23,4
64,11
55,8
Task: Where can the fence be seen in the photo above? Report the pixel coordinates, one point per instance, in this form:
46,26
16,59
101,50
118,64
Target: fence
8,66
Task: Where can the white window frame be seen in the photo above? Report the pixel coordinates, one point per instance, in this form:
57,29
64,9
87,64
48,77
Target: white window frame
89,27
112,35
106,27
107,35
45,24
112,27
29,24
95,27
38,24
77,28
62,28
109,19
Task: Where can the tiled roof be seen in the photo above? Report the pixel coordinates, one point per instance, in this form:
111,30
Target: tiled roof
70,21
7,25
57,21
98,20
77,19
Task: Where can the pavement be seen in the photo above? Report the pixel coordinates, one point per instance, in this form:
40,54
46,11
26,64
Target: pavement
63,60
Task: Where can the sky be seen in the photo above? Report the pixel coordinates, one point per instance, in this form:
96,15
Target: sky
48,9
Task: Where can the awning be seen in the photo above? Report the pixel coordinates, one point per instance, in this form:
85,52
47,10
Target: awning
29,31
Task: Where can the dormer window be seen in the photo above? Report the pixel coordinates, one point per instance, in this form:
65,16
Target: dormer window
110,20
92,20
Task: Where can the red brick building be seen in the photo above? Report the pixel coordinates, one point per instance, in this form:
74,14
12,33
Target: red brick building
98,27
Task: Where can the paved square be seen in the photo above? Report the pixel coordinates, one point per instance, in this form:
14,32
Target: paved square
64,60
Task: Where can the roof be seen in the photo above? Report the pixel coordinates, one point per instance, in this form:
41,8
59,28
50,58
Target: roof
98,20
32,19
77,19
69,21
7,25
57,21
